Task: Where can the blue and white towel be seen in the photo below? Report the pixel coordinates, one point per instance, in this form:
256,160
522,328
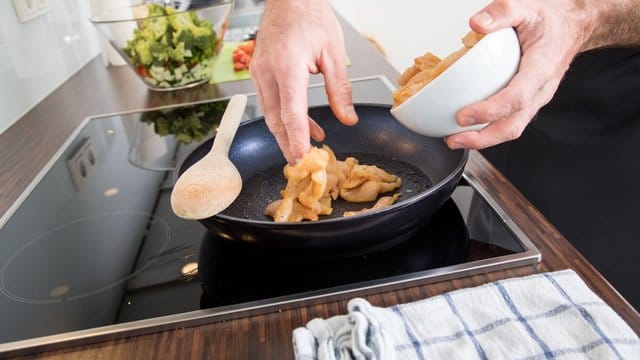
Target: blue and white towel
544,316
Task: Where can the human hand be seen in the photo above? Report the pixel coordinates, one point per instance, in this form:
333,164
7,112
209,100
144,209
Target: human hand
551,33
298,38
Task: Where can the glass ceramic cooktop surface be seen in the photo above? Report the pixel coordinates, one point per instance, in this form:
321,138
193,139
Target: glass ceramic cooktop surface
93,249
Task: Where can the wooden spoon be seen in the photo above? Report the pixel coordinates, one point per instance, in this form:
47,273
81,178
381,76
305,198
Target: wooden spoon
213,183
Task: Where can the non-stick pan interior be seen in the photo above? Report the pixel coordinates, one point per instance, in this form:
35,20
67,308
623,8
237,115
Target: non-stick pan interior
377,139
263,188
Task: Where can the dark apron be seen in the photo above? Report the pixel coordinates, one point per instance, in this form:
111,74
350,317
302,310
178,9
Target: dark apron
579,163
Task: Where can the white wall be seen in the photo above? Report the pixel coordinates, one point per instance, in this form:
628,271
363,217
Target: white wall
408,28
39,55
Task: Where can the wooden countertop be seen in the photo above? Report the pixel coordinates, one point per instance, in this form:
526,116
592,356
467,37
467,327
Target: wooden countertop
28,145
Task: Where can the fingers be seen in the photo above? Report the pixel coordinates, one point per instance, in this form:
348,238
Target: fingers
548,41
317,133
497,132
520,96
282,87
297,39
267,89
517,96
506,128
334,69
497,15
292,88
535,68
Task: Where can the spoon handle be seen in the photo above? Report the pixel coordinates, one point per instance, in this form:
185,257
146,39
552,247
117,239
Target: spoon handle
229,125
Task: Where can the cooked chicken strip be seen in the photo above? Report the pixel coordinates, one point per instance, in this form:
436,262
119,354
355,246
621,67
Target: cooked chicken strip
382,203
318,178
292,211
369,191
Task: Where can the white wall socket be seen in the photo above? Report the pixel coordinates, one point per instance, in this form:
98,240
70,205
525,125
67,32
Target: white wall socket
29,9
82,164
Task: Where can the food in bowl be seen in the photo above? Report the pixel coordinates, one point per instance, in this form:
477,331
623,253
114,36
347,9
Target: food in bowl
169,48
427,67
172,48
475,74
318,178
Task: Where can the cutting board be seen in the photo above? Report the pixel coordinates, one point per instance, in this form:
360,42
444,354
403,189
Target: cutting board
223,66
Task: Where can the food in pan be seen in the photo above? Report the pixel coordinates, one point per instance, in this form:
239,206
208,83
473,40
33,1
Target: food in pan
319,178
365,182
427,67
382,203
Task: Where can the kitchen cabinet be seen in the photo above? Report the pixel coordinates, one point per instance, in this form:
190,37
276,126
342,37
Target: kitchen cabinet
28,146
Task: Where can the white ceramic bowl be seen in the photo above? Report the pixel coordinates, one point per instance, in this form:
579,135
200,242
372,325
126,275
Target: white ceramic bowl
483,71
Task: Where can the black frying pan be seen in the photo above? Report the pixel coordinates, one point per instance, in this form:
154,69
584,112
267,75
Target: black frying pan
429,170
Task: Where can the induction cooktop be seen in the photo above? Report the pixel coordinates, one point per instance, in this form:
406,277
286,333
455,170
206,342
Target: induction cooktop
92,250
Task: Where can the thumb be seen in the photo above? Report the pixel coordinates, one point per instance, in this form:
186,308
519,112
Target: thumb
494,16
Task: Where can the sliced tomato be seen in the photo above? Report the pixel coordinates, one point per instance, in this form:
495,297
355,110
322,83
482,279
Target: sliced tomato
241,55
143,71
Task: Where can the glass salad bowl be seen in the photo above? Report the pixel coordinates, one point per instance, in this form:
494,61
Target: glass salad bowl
170,45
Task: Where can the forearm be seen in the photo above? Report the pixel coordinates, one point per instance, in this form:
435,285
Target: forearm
613,23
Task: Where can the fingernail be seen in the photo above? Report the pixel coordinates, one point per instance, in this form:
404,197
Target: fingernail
455,145
350,111
483,18
467,121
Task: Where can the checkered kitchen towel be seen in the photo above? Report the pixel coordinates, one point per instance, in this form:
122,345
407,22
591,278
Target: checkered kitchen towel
544,316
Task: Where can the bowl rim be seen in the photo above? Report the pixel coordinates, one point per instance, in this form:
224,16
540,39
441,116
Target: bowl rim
103,18
455,65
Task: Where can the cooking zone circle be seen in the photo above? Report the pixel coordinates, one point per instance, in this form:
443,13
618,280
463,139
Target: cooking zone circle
51,268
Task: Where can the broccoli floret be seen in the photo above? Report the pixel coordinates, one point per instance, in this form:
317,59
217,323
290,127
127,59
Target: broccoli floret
203,39
199,43
196,20
156,25
177,53
167,38
159,51
142,52
155,28
131,44
183,36
156,10
196,33
203,36
179,20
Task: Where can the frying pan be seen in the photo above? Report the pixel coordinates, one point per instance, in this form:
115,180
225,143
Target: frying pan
429,171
